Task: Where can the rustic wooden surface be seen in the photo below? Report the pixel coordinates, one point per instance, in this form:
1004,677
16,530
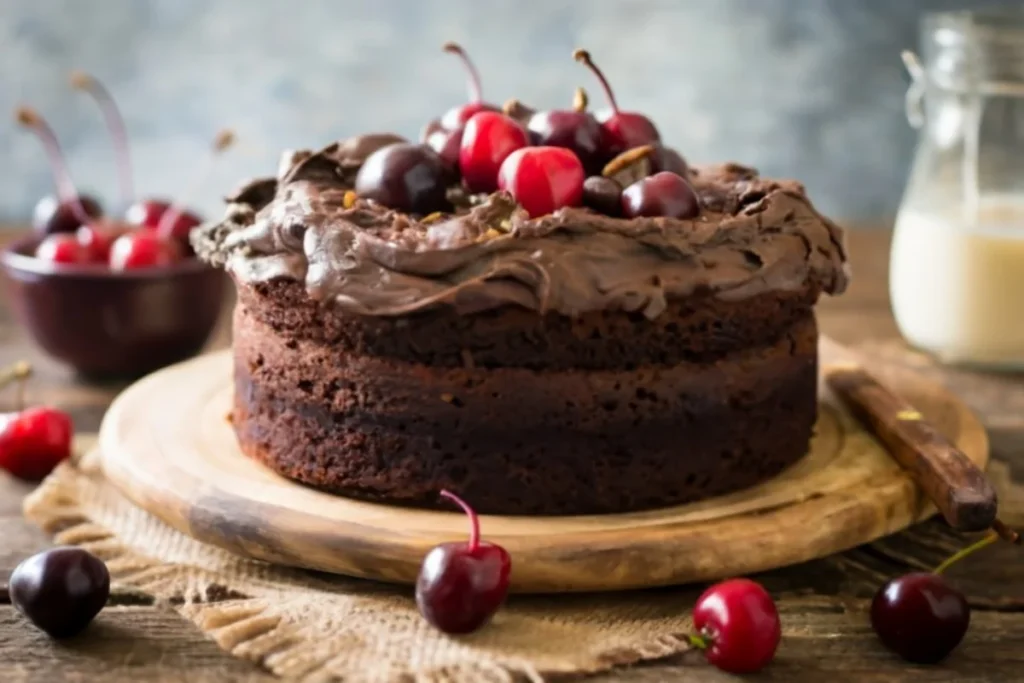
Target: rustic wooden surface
165,443
823,603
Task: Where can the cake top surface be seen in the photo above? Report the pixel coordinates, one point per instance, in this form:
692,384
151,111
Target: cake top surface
751,235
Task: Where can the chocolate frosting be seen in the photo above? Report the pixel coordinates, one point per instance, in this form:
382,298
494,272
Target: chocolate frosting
753,235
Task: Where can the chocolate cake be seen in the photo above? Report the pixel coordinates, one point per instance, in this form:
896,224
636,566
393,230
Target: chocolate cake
570,364
477,314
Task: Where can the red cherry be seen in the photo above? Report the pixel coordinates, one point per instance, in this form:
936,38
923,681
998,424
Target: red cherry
487,141
34,441
619,130
662,194
462,585
142,249
97,238
456,117
446,143
543,179
54,215
63,248
920,617
738,626
148,213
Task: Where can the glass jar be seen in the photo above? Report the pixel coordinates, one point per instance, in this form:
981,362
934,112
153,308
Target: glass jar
957,260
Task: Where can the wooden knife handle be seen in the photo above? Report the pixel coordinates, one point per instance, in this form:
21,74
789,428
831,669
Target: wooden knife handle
948,477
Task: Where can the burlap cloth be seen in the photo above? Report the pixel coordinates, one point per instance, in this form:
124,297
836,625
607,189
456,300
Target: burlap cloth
315,627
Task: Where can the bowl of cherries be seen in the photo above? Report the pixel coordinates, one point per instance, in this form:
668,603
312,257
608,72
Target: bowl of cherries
111,297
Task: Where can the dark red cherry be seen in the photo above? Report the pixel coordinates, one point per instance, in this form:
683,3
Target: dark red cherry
603,195
667,159
404,177
98,237
51,215
462,585
542,179
456,117
68,210
620,130
662,194
573,129
487,141
920,617
63,248
738,626
60,590
143,249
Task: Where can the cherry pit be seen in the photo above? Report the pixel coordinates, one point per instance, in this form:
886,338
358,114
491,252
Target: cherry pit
72,227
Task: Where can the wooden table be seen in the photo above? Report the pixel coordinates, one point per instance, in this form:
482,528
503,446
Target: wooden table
823,603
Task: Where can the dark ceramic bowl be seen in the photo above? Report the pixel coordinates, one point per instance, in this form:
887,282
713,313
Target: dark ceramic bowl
107,324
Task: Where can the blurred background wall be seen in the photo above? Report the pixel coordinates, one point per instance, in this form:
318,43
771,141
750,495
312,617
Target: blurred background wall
811,89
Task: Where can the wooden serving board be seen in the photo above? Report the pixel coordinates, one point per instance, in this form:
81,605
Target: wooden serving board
167,445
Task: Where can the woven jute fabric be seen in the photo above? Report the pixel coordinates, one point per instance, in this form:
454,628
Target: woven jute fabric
310,626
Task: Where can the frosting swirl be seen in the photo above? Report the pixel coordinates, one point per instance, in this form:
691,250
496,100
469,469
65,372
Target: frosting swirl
753,235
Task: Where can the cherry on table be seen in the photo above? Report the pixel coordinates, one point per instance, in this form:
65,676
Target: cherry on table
662,194
575,129
489,138
68,210
143,249
920,617
542,179
738,626
60,590
620,130
405,177
63,248
33,441
462,585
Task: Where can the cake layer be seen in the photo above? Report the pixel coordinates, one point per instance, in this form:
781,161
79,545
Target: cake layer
515,440
694,329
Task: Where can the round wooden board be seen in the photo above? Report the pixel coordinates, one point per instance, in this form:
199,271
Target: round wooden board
167,445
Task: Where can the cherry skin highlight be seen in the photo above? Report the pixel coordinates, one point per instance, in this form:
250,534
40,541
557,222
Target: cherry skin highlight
543,179
34,441
620,130
487,141
662,194
461,585
738,626
51,215
920,617
60,590
142,249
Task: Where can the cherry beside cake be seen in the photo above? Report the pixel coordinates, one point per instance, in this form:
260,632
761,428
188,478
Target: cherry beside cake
547,313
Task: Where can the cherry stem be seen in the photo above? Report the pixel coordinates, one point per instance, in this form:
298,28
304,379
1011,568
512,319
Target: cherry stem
699,641
1006,533
969,550
115,124
583,57
224,139
18,372
580,100
66,191
474,520
476,93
